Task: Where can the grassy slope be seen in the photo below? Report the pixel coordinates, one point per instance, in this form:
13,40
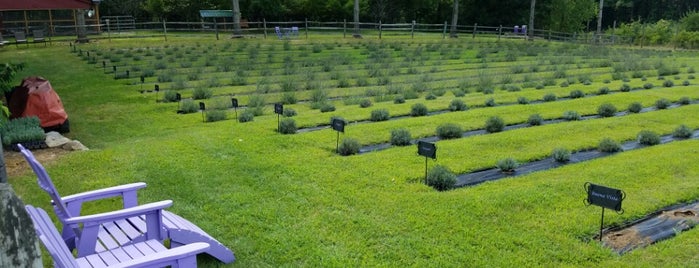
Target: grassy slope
289,201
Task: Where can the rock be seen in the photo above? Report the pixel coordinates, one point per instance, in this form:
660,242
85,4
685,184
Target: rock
55,139
19,246
74,145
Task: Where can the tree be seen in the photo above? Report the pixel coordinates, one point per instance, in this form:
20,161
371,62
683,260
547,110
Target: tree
454,19
236,19
356,19
531,19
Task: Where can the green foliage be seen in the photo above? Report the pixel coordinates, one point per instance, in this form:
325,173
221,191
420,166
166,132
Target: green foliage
603,91
201,93
449,131
23,129
490,102
668,83
576,94
606,110
494,124
327,107
687,39
188,106
550,97
684,100
246,116
507,165
682,132
289,98
647,137
400,137
256,104
441,178
288,112
690,21
348,146
399,99
522,100
608,145
287,126
457,105
571,115
561,155
662,104
625,88
535,120
635,107
364,103
418,109
379,115
215,115
648,85
170,96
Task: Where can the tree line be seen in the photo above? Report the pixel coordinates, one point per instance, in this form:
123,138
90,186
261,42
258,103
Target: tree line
557,15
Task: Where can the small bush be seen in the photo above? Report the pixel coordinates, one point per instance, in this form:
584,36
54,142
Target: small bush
603,91
648,85
494,124
289,98
564,84
170,96
430,96
449,131
668,83
348,146
682,132
246,116
418,109
550,97
535,120
561,155
490,102
288,112
522,100
400,137
379,115
507,165
399,99
608,145
625,88
364,103
686,83
458,93
575,94
571,115
606,110
188,106
440,178
215,115
684,100
327,107
457,105
647,137
287,126
202,93
662,104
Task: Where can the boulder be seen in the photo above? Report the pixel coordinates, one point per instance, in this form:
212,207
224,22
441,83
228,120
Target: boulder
75,145
19,246
55,139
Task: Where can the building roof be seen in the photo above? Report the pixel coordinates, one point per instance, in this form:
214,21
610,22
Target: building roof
46,4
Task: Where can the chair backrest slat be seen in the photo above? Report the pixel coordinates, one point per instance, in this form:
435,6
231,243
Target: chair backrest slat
50,237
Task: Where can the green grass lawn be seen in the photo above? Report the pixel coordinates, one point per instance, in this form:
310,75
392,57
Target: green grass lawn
289,200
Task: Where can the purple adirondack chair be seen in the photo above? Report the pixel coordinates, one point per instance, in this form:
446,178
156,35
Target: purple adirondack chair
120,232
149,253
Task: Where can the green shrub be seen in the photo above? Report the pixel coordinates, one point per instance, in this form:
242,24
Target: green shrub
686,83
215,115
576,94
608,145
535,120
189,106
507,165
457,105
668,83
327,107
288,112
418,109
561,155
287,126
564,84
635,107
490,102
399,99
170,96
23,129
246,116
202,93
494,124
441,178
648,85
647,137
606,110
571,115
550,97
682,132
400,137
348,146
430,96
522,100
458,92
603,91
662,104
684,100
449,131
379,115
364,103
256,104
289,98
625,88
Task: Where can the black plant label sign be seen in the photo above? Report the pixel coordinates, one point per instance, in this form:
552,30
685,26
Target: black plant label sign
178,96
202,106
338,125
278,108
604,196
427,149
156,88
234,102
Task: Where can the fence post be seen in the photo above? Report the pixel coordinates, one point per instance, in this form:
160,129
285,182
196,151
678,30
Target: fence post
344,28
412,30
306,28
475,26
499,32
164,30
216,28
444,32
264,27
380,29
109,34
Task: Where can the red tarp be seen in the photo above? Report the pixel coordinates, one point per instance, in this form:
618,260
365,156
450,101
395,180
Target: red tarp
36,97
44,4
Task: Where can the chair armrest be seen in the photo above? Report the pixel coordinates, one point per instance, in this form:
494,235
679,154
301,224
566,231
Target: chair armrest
120,214
126,191
164,258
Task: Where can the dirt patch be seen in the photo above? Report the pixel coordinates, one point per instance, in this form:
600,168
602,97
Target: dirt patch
623,238
16,165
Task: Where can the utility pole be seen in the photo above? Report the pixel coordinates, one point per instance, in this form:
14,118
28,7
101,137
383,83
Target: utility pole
356,20
236,19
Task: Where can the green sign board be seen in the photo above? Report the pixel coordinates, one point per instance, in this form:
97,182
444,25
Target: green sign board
216,13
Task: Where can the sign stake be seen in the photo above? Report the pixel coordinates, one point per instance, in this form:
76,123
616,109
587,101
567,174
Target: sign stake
601,225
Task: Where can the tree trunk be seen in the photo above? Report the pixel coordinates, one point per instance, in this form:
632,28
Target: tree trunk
19,246
82,30
356,19
236,19
454,19
599,21
531,20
